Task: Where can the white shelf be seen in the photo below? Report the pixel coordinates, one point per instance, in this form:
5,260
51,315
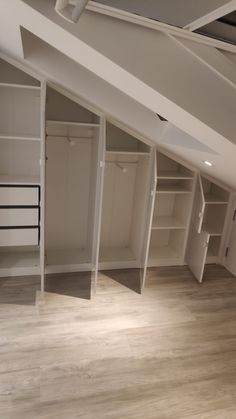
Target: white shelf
127,152
175,189
25,262
20,86
163,223
75,124
19,137
19,180
116,254
67,257
213,199
212,230
169,174
162,252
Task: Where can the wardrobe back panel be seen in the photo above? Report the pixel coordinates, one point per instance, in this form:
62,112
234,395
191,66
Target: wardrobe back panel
116,139
67,193
118,199
11,74
60,108
20,112
19,157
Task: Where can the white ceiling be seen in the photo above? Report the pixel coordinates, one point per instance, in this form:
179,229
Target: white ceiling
175,12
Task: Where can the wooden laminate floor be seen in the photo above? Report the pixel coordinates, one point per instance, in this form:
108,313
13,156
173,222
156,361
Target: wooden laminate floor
170,353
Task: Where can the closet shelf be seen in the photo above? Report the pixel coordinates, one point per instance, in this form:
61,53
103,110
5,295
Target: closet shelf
116,254
67,257
127,152
163,223
162,252
214,199
23,259
19,137
172,189
19,180
20,86
75,124
212,230
169,174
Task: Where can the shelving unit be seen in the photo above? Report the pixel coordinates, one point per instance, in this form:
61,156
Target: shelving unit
125,200
20,153
171,214
207,225
72,141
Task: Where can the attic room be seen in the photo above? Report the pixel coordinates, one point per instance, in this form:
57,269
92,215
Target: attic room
117,209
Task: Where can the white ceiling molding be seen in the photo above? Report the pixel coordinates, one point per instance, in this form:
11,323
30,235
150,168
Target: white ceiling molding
210,17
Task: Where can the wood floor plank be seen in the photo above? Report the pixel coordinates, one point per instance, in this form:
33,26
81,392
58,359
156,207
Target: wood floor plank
167,354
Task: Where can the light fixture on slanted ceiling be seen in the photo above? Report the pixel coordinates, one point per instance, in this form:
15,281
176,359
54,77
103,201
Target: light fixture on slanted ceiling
70,12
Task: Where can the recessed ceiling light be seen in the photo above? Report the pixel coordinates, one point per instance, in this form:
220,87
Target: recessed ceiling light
208,163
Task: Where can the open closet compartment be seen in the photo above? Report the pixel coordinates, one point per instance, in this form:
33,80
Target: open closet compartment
72,142
125,200
172,210
20,153
207,225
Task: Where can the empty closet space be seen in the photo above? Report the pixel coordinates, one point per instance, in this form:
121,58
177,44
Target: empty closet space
172,209
125,199
20,104
72,140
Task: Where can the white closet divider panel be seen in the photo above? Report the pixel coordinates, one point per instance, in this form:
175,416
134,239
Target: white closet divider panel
149,217
42,184
98,201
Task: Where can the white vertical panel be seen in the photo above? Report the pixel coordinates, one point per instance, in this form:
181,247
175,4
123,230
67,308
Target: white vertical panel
99,198
149,215
42,183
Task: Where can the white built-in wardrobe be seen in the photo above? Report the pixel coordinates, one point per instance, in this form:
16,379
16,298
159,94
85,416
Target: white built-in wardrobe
80,193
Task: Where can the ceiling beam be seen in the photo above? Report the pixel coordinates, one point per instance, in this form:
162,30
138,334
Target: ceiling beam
229,7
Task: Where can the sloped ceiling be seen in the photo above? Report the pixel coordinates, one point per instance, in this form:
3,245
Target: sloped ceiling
149,71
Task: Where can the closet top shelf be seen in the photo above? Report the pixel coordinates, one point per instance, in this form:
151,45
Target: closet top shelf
76,124
169,174
19,180
127,152
20,86
214,199
178,189
19,137
212,230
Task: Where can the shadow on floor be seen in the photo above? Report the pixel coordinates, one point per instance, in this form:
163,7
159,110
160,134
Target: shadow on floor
19,290
77,285
129,278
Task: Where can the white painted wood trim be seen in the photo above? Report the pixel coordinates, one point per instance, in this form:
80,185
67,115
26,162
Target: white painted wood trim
42,185
153,185
99,194
211,16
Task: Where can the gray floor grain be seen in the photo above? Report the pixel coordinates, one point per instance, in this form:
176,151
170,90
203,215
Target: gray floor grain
168,354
